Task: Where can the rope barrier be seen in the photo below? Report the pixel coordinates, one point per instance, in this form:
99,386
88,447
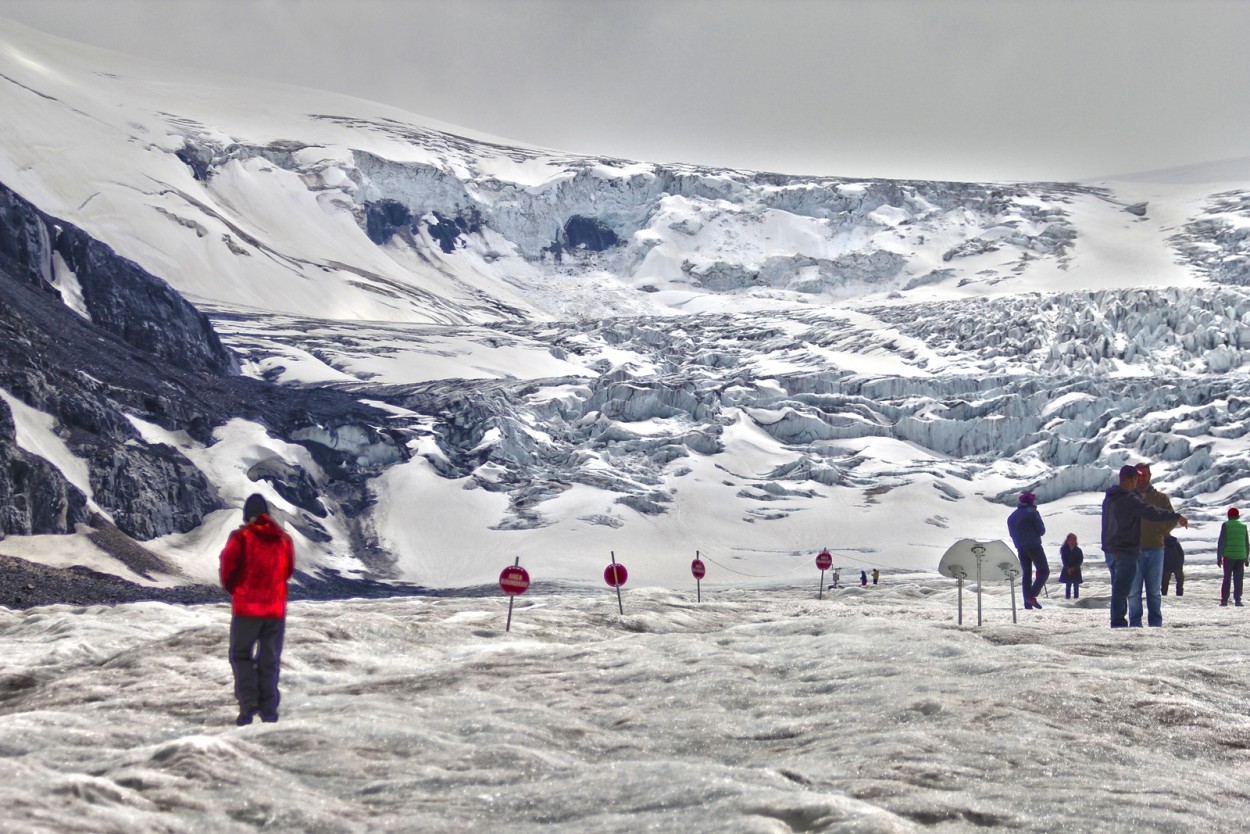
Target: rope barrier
794,569
799,567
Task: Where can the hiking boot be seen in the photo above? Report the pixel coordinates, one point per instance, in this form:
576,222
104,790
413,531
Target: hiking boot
1027,604
1223,602
1033,603
1237,603
244,719
269,718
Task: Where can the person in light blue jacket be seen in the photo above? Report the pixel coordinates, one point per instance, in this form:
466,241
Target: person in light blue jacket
1027,528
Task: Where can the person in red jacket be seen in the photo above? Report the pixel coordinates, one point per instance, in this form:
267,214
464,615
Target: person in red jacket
256,563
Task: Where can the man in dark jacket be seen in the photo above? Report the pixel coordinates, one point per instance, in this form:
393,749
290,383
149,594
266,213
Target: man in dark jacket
1123,510
256,563
1027,528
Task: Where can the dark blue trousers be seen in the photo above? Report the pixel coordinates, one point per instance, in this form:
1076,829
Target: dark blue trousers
1033,558
255,654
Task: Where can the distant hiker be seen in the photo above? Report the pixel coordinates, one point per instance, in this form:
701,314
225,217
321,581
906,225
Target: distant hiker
863,579
837,577
1073,557
876,574
1027,528
1173,565
1148,576
1123,510
256,564
1230,554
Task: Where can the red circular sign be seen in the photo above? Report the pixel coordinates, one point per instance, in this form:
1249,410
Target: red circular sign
514,580
698,568
615,575
824,561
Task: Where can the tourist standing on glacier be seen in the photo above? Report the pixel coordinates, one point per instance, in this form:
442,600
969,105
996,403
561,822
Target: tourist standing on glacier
1123,510
1027,528
1148,576
256,564
1173,565
1073,557
1230,554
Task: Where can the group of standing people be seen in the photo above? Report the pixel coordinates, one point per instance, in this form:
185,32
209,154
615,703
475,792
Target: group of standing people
1142,555
1136,519
863,578
1137,524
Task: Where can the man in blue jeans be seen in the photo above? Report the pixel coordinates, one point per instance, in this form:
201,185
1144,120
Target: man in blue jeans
1149,573
1123,510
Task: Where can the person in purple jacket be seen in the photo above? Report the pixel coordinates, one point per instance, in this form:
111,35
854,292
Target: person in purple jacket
1027,528
1123,510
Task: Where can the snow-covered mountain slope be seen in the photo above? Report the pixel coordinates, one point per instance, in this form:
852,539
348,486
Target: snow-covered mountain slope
282,199
463,350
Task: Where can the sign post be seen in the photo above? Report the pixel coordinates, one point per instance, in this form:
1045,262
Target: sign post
824,561
615,575
698,569
1012,573
513,581
969,560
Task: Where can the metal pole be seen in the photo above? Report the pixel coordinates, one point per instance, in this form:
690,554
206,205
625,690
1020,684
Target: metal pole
821,595
961,600
619,604
979,550
1011,578
698,584
512,598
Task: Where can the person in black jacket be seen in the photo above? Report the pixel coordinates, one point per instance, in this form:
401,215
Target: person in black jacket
1173,564
1123,509
1073,557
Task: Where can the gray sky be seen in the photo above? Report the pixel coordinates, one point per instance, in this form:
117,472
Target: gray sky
959,89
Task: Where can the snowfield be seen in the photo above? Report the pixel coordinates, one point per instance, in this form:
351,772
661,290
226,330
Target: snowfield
761,709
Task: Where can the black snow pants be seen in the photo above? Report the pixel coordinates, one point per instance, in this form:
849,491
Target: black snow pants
255,654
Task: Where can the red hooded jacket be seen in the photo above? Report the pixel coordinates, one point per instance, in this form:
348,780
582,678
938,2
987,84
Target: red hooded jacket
256,563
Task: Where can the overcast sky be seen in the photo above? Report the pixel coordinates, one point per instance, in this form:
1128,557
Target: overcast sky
934,89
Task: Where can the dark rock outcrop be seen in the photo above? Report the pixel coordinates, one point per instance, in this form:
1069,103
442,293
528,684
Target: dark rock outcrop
92,381
119,296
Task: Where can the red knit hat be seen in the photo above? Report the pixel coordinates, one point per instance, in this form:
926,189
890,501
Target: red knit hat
1232,512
